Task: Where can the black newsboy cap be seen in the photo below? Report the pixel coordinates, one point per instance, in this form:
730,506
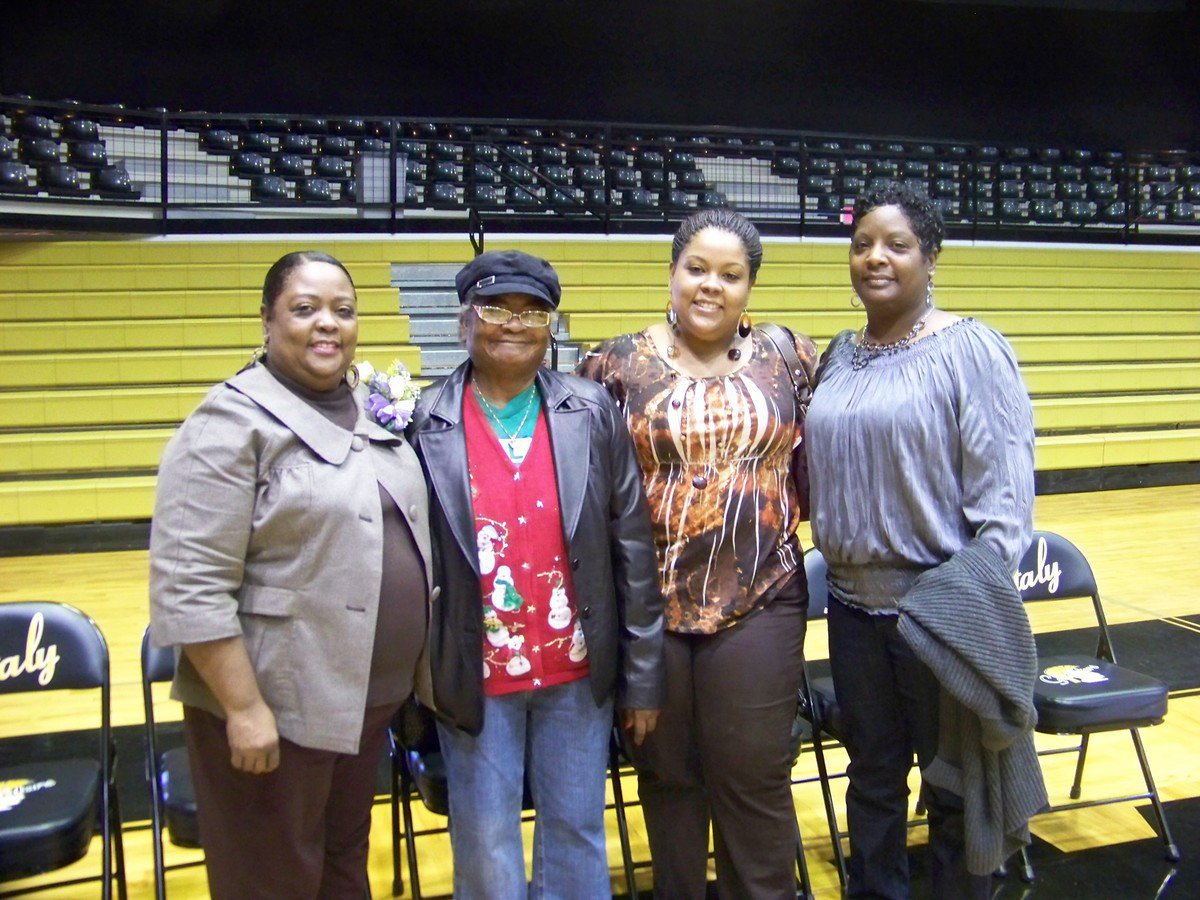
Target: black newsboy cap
508,272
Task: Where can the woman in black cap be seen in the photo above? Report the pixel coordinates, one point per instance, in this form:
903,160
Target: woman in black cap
549,608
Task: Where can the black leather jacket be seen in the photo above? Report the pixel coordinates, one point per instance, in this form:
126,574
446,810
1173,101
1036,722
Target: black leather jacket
607,530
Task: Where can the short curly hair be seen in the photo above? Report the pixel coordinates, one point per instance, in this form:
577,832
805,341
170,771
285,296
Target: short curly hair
924,218
726,220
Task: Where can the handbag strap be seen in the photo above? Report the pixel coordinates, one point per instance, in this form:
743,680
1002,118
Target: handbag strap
786,345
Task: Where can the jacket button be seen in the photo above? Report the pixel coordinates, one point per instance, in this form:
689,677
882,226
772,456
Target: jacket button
356,443
575,564
699,482
413,511
586,612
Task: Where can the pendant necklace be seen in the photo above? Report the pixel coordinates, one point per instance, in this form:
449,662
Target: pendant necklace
510,437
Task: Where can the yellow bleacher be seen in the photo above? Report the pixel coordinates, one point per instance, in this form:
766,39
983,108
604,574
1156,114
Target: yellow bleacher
109,344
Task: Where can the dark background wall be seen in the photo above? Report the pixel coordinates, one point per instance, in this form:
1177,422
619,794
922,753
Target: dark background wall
1001,71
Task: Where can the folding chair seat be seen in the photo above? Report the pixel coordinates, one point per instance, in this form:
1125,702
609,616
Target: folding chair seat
52,806
172,795
1083,694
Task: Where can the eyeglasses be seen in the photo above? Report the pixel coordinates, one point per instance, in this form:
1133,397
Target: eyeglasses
530,318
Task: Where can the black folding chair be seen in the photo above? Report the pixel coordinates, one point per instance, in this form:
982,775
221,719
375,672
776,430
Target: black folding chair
49,808
172,797
1081,694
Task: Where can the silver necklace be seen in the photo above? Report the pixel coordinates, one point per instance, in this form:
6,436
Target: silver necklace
865,350
493,414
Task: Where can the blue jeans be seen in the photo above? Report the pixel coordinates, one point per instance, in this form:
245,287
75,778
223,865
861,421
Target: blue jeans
561,736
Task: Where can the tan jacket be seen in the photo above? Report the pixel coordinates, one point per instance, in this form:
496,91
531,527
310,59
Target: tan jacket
267,524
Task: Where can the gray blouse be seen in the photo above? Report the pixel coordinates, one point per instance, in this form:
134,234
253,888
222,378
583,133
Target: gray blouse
914,455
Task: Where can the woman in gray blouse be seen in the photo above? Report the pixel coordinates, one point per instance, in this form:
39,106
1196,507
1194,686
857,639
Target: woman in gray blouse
920,440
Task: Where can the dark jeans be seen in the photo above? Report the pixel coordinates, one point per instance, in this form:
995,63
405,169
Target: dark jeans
721,752
889,704
300,831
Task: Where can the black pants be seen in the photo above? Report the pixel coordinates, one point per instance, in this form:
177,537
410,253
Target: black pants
889,704
721,753
299,831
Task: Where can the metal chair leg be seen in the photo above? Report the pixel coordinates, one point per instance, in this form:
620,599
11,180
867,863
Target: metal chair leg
1163,829
622,824
835,834
1076,788
410,839
804,884
397,877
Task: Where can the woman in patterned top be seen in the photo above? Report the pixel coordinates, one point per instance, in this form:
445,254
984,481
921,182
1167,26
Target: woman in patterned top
714,418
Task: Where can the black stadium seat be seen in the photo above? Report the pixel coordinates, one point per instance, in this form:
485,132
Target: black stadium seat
60,179
8,150
14,177
332,168
335,145
314,190
255,142
37,151
114,182
249,164
298,144
33,126
79,130
289,165
218,140
269,187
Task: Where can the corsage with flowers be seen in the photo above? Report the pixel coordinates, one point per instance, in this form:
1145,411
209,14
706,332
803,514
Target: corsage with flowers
391,394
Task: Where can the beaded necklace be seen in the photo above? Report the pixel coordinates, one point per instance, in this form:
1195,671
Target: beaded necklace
865,350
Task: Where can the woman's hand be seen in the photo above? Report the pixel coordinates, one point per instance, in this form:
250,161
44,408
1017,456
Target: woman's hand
224,665
639,723
253,739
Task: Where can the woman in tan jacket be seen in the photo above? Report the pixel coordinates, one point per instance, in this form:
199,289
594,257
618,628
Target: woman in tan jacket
289,558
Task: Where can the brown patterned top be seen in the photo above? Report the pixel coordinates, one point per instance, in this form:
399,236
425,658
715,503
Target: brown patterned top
716,457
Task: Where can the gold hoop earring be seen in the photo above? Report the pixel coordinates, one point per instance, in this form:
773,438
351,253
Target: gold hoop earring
351,376
745,325
672,317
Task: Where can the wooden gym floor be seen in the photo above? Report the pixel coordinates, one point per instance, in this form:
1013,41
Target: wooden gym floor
1142,544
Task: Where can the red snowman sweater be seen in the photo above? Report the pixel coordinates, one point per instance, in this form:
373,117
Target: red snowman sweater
532,636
